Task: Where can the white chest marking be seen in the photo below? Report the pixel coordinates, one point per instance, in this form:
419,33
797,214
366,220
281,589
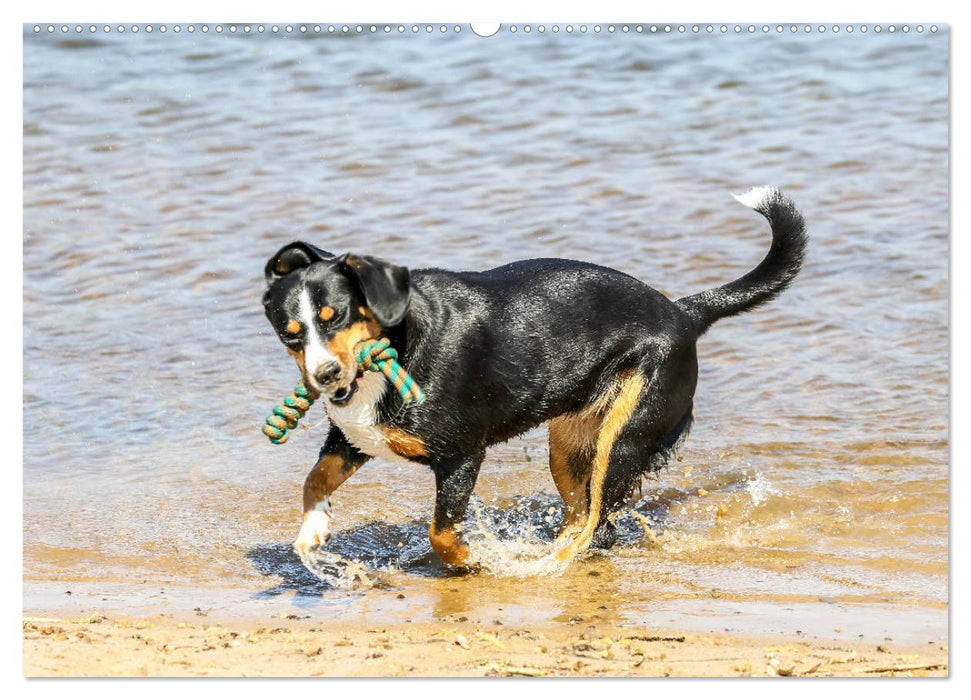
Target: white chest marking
358,418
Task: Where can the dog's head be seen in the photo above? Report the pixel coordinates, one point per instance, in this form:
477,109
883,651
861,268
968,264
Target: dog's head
322,305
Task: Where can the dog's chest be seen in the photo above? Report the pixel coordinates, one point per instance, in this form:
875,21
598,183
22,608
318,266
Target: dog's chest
358,420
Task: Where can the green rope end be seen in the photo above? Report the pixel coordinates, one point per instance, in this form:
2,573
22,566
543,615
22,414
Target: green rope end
284,418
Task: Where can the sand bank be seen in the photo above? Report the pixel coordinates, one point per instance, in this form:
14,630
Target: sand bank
165,645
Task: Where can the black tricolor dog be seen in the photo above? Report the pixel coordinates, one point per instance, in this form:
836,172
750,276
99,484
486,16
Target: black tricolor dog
609,362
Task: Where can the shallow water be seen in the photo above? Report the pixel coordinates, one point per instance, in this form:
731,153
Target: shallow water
160,171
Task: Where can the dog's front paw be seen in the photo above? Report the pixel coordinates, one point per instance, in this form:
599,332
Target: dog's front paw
314,532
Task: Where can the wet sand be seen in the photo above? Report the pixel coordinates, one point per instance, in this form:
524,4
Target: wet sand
285,645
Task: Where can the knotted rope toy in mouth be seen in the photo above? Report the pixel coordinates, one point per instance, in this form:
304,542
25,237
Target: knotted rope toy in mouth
373,356
379,356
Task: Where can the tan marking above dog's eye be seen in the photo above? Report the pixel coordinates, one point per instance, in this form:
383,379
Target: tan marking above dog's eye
293,326
326,313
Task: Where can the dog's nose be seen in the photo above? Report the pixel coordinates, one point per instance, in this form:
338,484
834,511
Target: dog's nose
328,373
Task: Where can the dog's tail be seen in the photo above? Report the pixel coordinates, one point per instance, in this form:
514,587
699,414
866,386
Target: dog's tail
773,274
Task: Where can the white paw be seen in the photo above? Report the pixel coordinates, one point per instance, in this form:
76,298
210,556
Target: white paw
314,532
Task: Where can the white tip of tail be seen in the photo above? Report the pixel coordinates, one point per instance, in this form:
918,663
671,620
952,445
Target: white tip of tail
757,197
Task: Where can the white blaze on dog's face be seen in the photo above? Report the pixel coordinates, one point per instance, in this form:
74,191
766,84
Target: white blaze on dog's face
317,357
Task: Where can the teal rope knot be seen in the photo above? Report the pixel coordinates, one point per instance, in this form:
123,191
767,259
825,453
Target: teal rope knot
372,356
379,356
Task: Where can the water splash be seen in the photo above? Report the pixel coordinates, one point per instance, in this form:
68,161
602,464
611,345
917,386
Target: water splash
511,543
517,540
512,538
339,572
760,489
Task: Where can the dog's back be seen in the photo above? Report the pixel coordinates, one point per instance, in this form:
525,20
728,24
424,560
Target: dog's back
521,343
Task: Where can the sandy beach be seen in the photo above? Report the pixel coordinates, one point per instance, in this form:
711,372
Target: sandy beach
286,645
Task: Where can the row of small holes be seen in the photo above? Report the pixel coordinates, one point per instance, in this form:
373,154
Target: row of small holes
387,29
738,29
260,29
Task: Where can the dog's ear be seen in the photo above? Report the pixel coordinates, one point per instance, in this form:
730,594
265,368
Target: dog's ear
293,257
386,287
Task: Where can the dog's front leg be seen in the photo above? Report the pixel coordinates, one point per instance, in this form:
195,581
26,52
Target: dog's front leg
454,481
338,460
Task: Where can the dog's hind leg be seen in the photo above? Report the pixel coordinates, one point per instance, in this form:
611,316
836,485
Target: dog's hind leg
621,409
638,451
573,439
454,481
646,417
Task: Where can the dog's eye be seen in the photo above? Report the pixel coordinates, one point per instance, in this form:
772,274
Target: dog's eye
290,335
330,317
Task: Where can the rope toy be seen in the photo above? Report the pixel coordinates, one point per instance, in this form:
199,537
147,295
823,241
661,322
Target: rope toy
372,356
379,356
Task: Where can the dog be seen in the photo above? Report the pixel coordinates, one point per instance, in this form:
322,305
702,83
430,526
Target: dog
608,362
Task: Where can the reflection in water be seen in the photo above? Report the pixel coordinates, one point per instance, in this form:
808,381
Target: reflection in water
161,171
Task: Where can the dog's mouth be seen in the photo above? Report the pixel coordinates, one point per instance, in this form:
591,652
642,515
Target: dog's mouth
343,394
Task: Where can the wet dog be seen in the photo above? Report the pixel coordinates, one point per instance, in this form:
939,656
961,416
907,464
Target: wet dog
607,361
